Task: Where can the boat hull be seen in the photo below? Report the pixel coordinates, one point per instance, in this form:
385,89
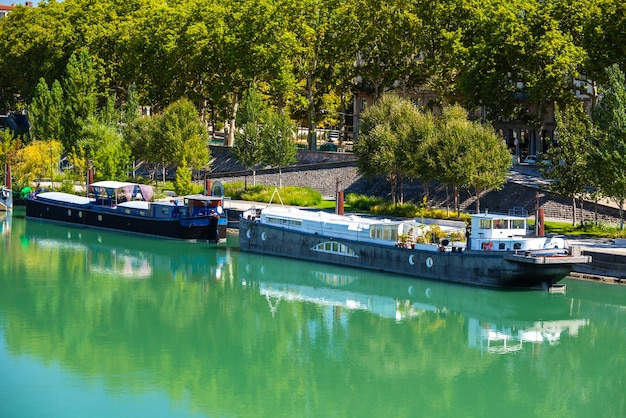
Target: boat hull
480,268
208,228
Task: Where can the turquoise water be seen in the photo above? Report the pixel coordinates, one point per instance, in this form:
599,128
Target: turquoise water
94,324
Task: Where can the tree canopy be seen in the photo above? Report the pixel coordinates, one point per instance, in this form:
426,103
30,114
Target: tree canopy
399,141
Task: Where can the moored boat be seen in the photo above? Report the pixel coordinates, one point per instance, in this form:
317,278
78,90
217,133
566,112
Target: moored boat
128,207
494,250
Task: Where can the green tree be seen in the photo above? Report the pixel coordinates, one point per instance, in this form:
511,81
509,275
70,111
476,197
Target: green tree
130,109
488,158
248,147
386,129
571,173
37,161
181,135
79,88
609,116
452,152
106,150
183,185
45,111
141,138
279,149
469,154
36,42
417,149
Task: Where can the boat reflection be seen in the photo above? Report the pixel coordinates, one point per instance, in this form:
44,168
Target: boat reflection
128,257
496,321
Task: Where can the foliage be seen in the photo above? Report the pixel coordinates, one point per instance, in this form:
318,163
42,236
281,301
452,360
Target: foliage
468,154
105,149
389,130
183,185
609,116
248,145
571,170
277,143
379,206
79,89
181,135
45,111
36,161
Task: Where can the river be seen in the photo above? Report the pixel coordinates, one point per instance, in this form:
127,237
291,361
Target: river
102,324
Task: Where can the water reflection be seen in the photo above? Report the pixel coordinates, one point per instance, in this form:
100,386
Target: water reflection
236,334
497,321
5,223
121,256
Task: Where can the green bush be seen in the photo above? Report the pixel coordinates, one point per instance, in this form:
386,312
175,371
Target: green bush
383,207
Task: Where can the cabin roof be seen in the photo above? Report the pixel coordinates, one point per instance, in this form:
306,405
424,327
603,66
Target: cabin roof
135,204
64,197
321,216
111,184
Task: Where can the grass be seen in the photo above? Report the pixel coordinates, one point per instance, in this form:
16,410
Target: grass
289,195
586,230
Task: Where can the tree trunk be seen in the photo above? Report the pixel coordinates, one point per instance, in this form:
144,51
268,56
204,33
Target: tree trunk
426,191
312,134
582,212
477,199
573,211
457,200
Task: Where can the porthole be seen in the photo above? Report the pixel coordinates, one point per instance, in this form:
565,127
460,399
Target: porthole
99,218
80,214
263,236
411,259
69,212
429,262
248,234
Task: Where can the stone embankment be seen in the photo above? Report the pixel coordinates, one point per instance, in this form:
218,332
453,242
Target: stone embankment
330,172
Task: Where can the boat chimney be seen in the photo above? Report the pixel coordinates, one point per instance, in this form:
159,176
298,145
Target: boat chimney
540,227
207,187
89,176
339,203
486,211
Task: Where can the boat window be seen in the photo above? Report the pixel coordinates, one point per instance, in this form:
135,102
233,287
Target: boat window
485,224
283,221
384,232
335,248
500,224
517,224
